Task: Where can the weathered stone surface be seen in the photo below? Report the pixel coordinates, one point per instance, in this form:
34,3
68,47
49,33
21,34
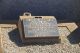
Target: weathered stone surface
40,27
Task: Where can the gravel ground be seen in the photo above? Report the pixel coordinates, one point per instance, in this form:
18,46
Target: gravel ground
11,44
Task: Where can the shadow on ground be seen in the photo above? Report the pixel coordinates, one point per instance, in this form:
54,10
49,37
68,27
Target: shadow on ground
74,37
15,37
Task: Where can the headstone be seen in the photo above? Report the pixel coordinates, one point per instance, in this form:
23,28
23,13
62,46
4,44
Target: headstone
40,27
37,27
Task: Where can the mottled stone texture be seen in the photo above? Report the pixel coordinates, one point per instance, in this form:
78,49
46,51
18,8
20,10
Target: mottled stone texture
38,27
61,9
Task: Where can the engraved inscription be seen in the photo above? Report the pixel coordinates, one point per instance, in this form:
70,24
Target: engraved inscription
40,27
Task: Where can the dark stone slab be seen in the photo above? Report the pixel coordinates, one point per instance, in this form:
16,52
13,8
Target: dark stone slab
61,9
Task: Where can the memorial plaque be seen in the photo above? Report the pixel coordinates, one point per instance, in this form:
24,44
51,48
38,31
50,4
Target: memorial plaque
33,28
40,27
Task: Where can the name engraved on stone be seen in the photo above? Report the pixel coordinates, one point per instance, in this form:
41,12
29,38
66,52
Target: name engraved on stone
40,27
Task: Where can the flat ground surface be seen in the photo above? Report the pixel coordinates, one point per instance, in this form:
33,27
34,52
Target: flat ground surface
69,34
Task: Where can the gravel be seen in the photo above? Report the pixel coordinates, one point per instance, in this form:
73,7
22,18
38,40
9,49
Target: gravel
11,44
